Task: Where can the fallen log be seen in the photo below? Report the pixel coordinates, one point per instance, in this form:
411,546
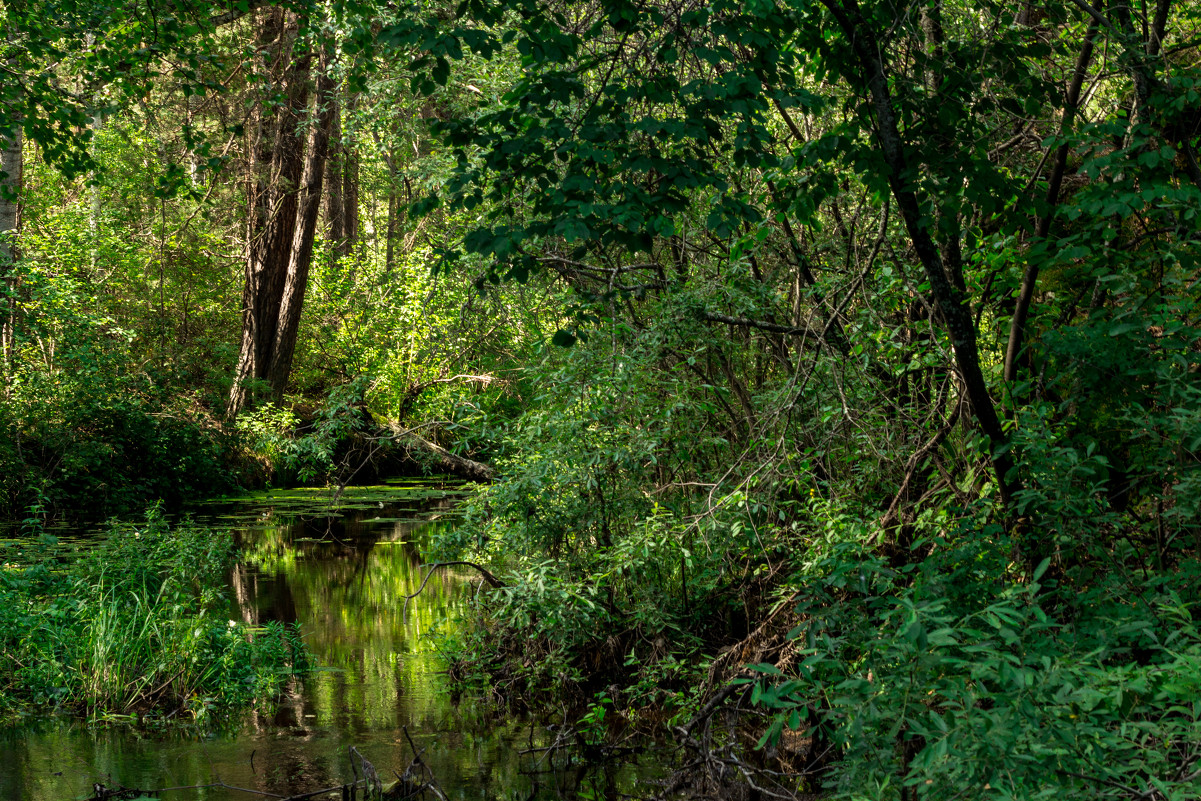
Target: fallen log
422,450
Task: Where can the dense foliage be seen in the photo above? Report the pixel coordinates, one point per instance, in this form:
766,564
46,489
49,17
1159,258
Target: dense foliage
136,624
855,341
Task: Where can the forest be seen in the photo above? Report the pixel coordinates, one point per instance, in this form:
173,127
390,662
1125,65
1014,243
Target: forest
826,373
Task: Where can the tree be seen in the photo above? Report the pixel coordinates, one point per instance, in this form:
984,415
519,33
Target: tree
11,169
634,125
342,183
901,289
285,200
65,64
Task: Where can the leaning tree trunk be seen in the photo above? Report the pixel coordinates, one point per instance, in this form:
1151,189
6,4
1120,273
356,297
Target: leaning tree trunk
1017,323
948,294
284,198
11,166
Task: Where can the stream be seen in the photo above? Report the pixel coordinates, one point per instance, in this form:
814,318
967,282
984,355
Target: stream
342,570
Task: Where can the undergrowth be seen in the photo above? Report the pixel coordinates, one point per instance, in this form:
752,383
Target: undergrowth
924,654
133,625
961,669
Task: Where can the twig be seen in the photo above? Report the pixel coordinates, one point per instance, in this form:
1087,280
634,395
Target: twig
709,708
492,580
762,325
431,785
915,461
370,775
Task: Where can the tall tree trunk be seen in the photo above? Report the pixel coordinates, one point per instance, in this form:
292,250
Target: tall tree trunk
949,221
300,256
350,183
393,210
12,167
277,182
12,164
334,208
390,233
342,184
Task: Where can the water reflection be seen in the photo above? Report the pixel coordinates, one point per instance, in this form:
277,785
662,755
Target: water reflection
344,573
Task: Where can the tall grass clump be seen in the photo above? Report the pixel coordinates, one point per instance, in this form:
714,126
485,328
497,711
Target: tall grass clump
135,624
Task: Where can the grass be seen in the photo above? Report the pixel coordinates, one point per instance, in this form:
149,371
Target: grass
133,625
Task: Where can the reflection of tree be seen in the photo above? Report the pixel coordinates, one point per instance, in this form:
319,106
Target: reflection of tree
261,598
282,605
345,579
19,761
242,580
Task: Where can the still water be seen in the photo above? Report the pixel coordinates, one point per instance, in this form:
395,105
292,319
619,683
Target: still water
342,567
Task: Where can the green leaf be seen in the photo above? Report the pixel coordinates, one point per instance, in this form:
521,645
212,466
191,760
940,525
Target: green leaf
1042,568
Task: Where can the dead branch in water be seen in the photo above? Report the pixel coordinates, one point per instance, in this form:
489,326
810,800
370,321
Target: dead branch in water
421,449
412,785
486,574
409,785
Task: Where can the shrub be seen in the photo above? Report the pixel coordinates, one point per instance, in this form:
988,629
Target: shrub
959,672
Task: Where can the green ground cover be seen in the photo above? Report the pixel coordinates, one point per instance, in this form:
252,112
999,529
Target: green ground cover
134,623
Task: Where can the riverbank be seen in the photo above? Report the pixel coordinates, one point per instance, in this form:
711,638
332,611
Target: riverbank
132,625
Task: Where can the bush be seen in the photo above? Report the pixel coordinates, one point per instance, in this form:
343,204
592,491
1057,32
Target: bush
959,672
108,447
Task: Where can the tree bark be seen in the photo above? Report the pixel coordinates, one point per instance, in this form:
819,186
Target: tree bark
12,164
300,256
12,167
436,456
284,194
334,207
394,208
350,184
341,185
390,232
272,215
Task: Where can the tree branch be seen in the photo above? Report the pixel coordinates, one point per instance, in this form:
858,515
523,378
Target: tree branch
900,175
744,322
237,13
1017,323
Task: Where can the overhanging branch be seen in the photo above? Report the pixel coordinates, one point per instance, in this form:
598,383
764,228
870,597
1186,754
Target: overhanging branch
762,325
